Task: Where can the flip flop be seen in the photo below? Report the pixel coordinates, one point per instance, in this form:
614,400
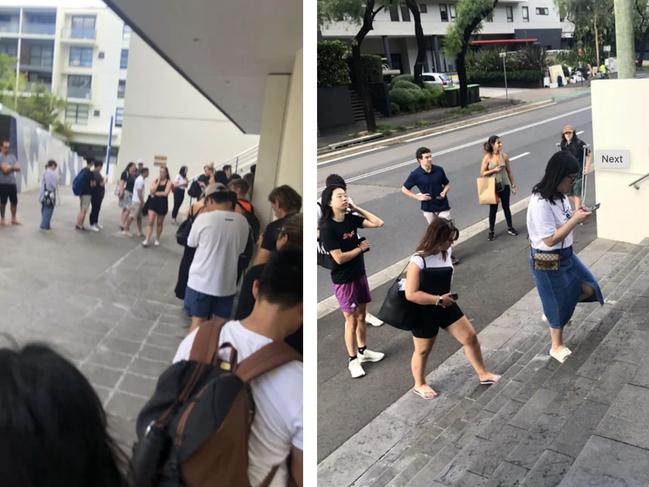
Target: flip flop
426,395
561,356
490,382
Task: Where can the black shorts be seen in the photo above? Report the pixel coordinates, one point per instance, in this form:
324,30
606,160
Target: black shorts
432,318
8,192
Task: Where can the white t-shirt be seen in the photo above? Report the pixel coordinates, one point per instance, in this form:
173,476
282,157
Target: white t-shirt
277,425
543,219
139,184
220,237
432,262
180,182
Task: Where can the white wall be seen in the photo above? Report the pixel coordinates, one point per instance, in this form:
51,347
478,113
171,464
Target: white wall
165,115
620,109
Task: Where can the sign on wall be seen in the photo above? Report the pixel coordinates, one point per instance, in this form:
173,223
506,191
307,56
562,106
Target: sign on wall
159,160
612,159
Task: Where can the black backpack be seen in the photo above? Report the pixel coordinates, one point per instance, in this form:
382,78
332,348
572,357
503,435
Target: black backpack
195,189
194,430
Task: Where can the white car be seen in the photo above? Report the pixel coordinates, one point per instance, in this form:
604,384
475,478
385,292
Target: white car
441,79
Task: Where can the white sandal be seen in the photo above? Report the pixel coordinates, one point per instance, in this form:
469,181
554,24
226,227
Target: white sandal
562,355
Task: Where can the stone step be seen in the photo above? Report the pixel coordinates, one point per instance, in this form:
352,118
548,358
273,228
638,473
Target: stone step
528,416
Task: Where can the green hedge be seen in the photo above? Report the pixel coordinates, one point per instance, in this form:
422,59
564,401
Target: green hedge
523,76
402,77
411,98
332,67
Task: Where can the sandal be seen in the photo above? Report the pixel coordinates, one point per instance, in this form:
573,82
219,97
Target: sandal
490,382
428,395
562,355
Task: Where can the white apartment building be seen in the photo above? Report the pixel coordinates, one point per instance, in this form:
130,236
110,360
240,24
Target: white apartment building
513,23
78,50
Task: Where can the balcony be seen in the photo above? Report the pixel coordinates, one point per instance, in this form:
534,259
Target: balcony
39,29
77,35
9,27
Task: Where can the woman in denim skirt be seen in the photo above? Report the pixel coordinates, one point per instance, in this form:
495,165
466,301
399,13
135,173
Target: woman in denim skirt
561,279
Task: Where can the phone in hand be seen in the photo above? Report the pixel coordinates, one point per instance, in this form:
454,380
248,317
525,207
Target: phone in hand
454,296
593,208
361,240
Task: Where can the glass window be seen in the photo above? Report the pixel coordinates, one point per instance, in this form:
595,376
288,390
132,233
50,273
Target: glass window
121,88
9,47
126,32
76,114
9,21
423,8
451,9
79,86
81,56
510,13
405,13
39,23
394,13
542,11
41,55
526,14
123,59
443,12
82,27
119,116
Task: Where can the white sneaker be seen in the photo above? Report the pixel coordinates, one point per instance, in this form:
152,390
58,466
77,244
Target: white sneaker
93,228
100,226
372,320
145,243
370,356
156,243
355,368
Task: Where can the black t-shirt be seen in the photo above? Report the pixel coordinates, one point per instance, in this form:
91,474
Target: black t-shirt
269,238
88,182
343,235
129,181
98,190
576,148
433,183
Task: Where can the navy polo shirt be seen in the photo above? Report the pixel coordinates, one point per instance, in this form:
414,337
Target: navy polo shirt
433,183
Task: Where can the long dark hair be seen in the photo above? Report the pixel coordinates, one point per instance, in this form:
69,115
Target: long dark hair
128,166
183,171
53,425
438,233
489,145
325,202
561,165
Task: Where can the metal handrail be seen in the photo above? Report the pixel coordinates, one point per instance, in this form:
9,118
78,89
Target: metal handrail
635,183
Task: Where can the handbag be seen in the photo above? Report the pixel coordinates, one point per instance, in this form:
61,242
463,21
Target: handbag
546,261
324,257
49,197
487,191
182,234
396,310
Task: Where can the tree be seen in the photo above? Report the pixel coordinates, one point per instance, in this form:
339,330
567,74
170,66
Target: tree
468,21
641,29
413,6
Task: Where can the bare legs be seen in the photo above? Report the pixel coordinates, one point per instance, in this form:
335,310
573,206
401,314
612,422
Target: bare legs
355,329
423,346
149,228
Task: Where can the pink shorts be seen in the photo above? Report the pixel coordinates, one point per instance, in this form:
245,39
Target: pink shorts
352,294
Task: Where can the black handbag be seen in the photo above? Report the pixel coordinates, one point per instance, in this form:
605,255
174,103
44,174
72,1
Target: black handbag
182,234
324,257
396,310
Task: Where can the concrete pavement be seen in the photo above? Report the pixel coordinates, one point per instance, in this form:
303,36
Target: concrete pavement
101,299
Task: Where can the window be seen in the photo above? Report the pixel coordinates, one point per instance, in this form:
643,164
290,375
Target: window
443,12
79,86
123,59
9,47
81,56
39,23
394,13
510,13
82,27
9,21
405,13
526,14
119,116
423,8
41,55
126,32
121,88
542,11
451,9
76,114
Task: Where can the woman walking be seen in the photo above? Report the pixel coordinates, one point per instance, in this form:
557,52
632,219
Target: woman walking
577,148
158,205
180,184
47,194
338,233
124,192
428,285
561,279
495,163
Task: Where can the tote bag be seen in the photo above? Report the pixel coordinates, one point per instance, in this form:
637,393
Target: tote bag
487,191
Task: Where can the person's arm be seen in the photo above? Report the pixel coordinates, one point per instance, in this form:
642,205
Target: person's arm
484,172
564,230
343,257
415,295
167,190
509,173
415,196
371,220
153,187
194,233
140,193
6,168
297,466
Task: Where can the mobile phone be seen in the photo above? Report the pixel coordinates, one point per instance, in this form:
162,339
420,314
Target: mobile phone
361,240
593,208
454,296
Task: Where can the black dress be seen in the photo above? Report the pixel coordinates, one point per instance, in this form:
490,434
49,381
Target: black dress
159,204
185,264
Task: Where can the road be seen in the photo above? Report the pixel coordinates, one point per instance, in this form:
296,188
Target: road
491,278
375,179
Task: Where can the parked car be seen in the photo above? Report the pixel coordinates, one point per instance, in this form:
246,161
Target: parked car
442,79
388,71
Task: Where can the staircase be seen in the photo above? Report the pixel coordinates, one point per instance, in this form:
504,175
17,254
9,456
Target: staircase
584,422
357,107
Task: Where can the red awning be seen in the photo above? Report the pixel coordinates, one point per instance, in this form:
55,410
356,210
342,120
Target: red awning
503,41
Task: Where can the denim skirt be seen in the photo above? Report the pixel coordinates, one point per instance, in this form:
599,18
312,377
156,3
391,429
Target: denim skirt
560,290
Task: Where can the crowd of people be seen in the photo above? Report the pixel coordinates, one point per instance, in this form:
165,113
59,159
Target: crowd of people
425,298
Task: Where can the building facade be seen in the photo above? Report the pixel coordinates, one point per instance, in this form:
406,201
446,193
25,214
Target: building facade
80,54
513,23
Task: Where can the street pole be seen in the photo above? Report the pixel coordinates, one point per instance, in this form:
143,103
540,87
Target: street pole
624,39
108,146
504,55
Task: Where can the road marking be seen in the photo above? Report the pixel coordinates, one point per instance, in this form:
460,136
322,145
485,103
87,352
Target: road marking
330,304
409,162
356,154
519,156
580,132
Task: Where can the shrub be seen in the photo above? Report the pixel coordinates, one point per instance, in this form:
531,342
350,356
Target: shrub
332,67
402,77
406,99
402,83
394,108
373,67
524,76
437,93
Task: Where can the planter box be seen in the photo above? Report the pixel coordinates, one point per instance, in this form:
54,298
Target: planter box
334,107
452,96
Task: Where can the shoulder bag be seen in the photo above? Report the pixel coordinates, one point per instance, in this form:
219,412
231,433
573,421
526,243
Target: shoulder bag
396,310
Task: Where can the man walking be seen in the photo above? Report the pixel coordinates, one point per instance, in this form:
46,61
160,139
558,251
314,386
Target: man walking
88,183
433,188
8,188
135,210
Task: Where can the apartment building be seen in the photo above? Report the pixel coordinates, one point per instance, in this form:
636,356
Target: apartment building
78,51
513,23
